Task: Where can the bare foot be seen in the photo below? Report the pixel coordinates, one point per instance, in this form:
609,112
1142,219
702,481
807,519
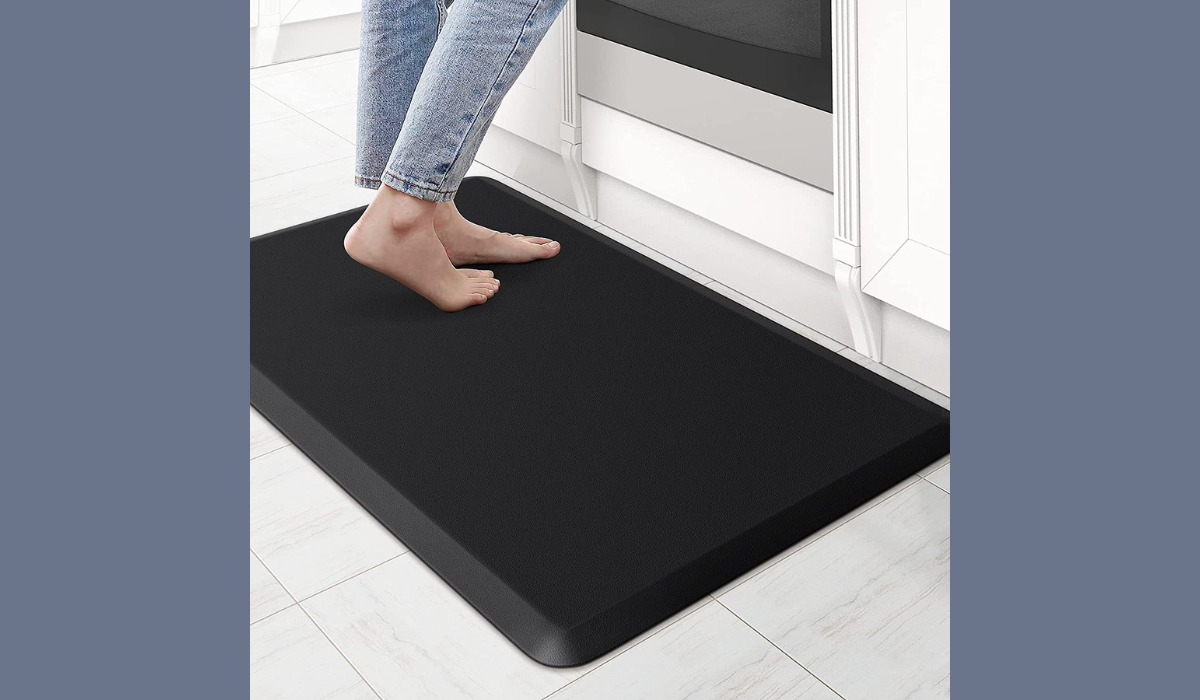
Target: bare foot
468,244
395,236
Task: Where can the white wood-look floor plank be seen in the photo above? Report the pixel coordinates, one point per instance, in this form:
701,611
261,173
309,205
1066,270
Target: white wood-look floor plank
292,66
264,108
940,478
411,636
304,195
936,465
311,89
306,529
709,654
293,143
867,607
291,660
264,437
267,597
815,536
341,120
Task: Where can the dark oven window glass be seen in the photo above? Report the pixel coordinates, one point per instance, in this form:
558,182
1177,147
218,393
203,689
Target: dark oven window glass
790,26
779,46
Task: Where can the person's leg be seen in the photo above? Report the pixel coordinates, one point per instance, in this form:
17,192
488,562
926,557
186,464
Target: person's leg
482,48
396,39
481,51
395,236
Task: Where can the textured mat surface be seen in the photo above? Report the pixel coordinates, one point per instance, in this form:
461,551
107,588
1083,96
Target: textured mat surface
598,446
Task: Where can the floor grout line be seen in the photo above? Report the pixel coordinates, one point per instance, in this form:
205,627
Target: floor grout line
809,541
314,622
351,577
314,121
310,596
794,660
270,96
298,113
623,652
296,170
289,444
277,581
929,481
340,652
300,68
268,617
276,119
294,108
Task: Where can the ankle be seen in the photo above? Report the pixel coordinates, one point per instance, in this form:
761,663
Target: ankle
444,212
404,212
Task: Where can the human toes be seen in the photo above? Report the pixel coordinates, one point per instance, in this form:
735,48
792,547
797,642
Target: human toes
546,248
486,286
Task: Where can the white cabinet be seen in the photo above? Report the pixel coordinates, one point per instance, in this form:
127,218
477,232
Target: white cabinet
894,79
532,109
889,213
543,107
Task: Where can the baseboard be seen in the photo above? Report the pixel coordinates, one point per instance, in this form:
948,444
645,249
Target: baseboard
527,163
916,348
314,37
789,286
780,212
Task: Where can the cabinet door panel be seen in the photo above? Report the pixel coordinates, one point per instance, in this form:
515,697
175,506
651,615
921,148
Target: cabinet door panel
929,122
883,131
533,107
904,154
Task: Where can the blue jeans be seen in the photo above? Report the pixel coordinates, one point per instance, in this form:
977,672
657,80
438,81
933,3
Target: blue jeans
430,81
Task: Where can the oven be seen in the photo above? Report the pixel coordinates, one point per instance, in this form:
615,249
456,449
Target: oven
750,77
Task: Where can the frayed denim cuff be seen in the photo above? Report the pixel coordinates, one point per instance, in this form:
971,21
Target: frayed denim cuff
371,183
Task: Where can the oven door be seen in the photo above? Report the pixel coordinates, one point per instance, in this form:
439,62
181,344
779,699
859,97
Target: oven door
753,78
778,46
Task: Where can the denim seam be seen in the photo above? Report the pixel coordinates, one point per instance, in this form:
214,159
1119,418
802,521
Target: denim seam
417,185
466,135
439,195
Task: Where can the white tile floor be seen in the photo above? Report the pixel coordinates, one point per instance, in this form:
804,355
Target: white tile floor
338,609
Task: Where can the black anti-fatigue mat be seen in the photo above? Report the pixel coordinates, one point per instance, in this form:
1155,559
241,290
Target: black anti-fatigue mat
595,448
